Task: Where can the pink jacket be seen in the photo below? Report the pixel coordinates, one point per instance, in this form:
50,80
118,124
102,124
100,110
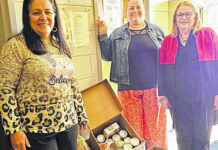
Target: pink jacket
207,46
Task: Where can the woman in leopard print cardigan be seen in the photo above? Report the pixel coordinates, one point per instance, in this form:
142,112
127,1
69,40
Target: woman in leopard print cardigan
40,102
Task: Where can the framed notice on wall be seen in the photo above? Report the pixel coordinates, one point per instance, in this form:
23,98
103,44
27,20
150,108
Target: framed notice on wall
112,14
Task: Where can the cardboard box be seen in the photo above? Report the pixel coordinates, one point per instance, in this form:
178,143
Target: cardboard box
103,108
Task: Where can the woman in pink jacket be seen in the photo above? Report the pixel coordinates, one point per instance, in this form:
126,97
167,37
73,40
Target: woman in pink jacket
188,78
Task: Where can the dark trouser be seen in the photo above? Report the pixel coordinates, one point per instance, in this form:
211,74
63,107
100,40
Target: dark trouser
66,140
190,135
4,139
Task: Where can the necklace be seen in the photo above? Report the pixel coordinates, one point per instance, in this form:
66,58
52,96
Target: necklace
141,26
135,32
181,39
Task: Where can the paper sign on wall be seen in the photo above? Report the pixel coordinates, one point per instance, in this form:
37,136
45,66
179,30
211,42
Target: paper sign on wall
112,14
66,28
79,28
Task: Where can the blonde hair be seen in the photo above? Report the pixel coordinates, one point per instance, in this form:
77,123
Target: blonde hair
197,24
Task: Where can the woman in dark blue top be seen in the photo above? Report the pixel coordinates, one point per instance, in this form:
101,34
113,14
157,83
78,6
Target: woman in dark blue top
188,78
133,50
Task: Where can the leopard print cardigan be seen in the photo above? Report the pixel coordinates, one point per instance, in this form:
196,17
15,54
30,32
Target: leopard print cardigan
38,93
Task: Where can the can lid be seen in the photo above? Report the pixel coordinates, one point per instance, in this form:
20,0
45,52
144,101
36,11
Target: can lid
115,146
127,140
116,137
135,141
109,142
100,138
123,133
127,147
121,143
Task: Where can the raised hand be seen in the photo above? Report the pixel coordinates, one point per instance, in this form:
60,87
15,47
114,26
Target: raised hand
102,26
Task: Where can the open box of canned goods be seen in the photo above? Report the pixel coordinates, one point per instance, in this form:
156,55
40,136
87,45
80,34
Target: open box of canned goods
115,137
109,128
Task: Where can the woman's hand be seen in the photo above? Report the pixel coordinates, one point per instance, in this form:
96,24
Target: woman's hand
19,141
83,126
84,131
163,100
102,27
216,102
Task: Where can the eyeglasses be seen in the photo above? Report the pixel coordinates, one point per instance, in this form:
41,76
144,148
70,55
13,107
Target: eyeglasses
187,15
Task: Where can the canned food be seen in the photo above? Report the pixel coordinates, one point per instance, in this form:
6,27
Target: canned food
112,129
115,146
135,141
109,142
127,147
123,133
100,138
121,143
127,140
116,137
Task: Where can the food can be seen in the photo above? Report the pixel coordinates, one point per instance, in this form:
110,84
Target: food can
121,143
135,141
127,147
116,137
109,142
123,133
112,129
100,138
127,140
115,146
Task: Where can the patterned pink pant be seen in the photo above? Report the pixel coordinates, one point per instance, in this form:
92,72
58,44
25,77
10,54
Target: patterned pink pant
142,110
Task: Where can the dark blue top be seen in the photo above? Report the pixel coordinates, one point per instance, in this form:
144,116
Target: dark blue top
142,57
115,49
188,81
